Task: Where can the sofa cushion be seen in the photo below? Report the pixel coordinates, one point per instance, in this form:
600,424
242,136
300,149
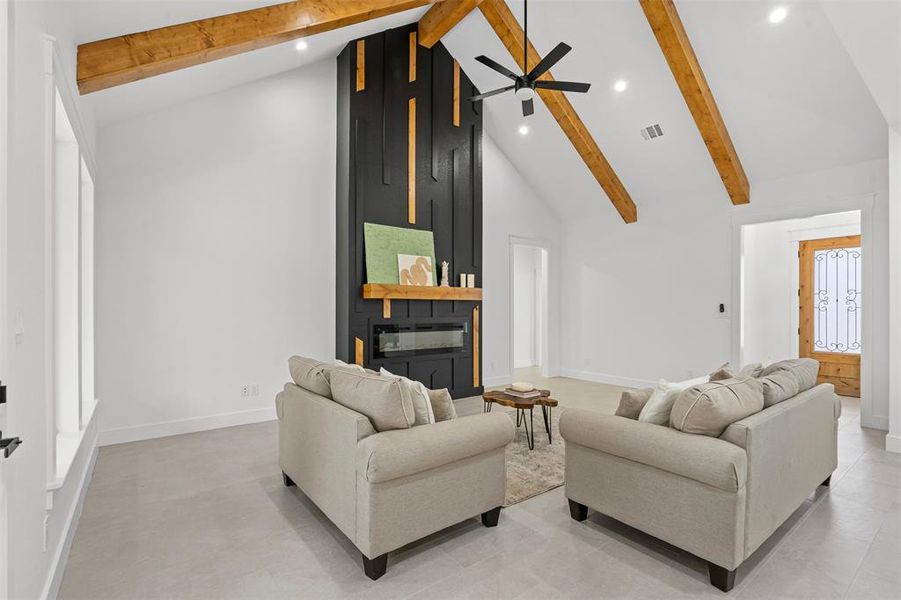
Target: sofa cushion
723,372
805,371
419,393
442,405
708,408
779,386
312,375
660,404
632,401
384,400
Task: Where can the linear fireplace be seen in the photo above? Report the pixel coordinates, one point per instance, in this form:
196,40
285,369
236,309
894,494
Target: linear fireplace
396,340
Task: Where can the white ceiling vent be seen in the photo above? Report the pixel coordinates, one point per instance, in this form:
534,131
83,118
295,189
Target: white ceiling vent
654,131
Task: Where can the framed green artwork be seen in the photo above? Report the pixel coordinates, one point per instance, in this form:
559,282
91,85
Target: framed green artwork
382,245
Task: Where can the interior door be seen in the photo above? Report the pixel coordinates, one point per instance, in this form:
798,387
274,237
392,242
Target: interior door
4,119
830,304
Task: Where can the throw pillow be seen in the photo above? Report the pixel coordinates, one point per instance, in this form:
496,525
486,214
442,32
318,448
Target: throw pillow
312,375
419,393
442,405
632,401
386,401
778,387
708,408
660,404
805,371
723,372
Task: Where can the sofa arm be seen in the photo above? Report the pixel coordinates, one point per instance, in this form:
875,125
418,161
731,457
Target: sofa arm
401,452
704,459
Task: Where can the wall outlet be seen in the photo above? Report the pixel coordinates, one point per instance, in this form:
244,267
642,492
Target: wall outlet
250,389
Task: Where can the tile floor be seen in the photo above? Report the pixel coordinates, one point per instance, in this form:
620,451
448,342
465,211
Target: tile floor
206,516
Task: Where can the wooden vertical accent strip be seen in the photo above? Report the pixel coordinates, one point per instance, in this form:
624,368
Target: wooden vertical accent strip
412,76
411,162
361,65
386,308
476,376
358,351
456,93
805,283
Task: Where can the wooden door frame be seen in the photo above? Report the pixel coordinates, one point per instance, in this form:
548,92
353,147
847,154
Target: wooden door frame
757,214
806,250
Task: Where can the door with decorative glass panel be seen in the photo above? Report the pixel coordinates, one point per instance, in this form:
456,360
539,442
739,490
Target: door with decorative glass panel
830,303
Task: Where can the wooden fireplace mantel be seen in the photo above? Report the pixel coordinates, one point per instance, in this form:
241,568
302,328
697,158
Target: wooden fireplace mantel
390,291
386,292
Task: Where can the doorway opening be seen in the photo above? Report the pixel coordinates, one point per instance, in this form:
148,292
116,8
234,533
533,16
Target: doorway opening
802,291
528,315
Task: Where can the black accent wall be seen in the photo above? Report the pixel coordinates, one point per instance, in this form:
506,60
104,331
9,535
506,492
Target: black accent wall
372,187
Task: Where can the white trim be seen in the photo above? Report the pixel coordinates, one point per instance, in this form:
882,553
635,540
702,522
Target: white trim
865,203
150,431
629,382
893,443
61,556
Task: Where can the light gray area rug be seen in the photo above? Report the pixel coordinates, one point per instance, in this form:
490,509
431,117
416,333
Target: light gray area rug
534,472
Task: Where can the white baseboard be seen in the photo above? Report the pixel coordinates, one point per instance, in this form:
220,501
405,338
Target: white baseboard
893,443
58,567
497,380
165,429
875,422
606,378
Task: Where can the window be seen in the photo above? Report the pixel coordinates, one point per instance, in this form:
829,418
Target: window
70,230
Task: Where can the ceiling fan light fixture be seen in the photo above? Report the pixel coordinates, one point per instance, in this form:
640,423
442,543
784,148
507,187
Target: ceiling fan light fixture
525,93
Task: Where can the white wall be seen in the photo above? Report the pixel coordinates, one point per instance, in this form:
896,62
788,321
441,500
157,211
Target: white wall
33,569
512,211
770,281
215,249
526,275
642,299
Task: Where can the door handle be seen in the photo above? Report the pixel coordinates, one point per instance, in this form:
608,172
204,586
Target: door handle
9,445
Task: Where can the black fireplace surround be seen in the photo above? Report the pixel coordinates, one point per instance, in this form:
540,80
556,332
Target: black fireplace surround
372,187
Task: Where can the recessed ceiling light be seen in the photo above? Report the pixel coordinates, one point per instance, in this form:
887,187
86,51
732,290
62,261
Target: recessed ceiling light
523,130
778,14
621,85
301,45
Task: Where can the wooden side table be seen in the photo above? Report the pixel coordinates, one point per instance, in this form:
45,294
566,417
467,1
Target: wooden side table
545,401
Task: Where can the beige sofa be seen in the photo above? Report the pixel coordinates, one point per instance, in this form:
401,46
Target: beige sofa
718,498
385,490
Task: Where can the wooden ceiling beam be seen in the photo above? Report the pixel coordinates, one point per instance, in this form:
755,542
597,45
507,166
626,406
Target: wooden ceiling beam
676,47
126,58
441,18
509,31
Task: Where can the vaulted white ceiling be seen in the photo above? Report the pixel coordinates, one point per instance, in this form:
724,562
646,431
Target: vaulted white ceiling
790,94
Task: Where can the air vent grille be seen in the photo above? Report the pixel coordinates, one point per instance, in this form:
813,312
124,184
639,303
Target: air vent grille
654,131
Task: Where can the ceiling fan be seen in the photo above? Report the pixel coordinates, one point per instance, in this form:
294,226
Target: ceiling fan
524,85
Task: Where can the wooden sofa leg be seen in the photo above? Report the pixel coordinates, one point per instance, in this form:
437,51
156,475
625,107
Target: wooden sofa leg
375,567
489,519
720,577
579,512
288,481
828,481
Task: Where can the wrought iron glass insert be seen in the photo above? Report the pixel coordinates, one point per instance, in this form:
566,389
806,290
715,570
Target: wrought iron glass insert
408,340
837,300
